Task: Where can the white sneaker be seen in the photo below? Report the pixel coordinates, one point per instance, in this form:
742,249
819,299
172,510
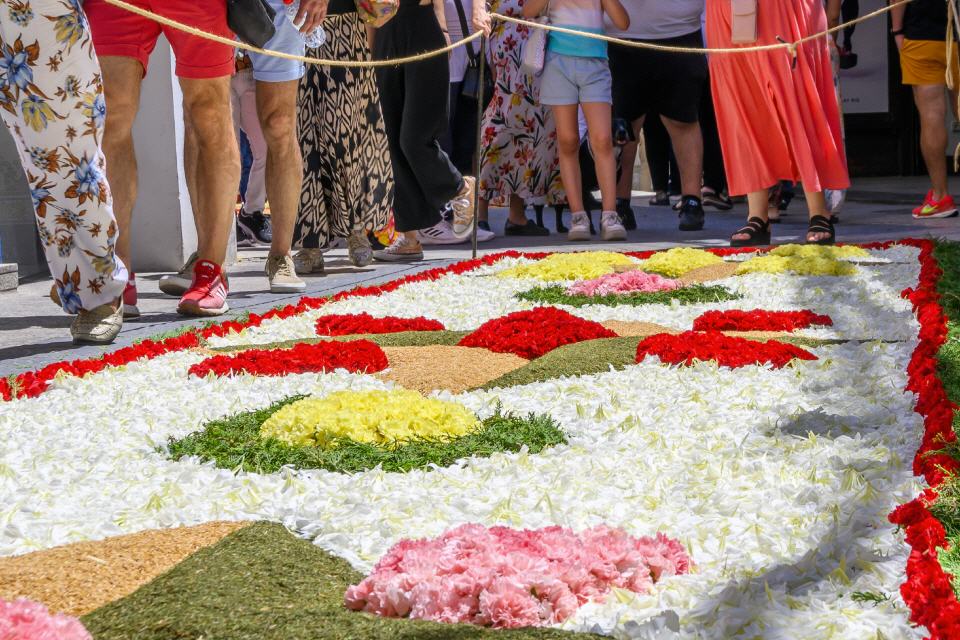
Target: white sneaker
401,250
176,284
440,233
485,236
579,226
611,228
462,206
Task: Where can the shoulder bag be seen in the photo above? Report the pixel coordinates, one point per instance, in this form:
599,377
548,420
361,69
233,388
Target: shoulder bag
251,21
377,13
743,21
471,77
535,48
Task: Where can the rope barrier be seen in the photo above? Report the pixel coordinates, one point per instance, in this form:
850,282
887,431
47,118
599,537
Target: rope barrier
791,46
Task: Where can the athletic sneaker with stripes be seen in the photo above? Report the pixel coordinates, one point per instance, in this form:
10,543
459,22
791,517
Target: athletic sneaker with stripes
207,295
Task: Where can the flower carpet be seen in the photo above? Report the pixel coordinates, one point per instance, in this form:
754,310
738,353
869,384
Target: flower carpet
676,444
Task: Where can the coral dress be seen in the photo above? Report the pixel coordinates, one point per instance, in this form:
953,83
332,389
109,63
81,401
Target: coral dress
777,121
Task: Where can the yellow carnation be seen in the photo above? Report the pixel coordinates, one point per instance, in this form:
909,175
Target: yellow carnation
818,251
376,417
569,266
800,266
676,262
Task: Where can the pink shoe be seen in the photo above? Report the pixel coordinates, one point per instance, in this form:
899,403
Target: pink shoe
207,295
130,309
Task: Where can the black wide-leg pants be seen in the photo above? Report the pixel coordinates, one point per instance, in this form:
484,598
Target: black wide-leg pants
414,99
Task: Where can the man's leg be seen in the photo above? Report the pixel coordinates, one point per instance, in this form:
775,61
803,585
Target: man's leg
931,102
277,110
121,85
217,170
688,149
629,161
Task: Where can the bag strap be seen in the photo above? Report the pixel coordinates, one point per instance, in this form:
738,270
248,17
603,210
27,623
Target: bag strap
465,31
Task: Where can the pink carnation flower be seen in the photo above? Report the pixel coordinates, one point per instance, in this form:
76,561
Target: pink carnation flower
506,578
27,620
626,282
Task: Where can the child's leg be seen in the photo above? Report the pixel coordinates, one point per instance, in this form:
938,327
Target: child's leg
568,147
599,125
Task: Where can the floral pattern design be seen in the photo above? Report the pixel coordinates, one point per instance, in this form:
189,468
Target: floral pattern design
51,99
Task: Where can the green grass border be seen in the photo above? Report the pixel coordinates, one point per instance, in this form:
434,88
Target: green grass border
694,294
263,583
234,443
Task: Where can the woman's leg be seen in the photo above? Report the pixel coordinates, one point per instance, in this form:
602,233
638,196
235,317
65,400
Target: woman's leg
518,210
568,148
756,208
599,124
817,205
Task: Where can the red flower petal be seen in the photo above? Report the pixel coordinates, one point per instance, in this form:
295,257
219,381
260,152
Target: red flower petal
759,320
727,351
530,334
358,356
350,324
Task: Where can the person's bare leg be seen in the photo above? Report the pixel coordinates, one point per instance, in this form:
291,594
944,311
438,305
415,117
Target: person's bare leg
756,208
207,109
687,142
931,101
277,109
568,148
121,87
599,124
483,210
518,210
190,162
629,161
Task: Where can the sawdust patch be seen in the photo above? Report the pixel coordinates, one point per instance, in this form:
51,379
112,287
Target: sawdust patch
626,329
709,274
455,369
82,577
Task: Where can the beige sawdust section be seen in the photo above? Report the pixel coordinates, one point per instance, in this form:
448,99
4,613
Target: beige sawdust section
456,369
626,329
79,578
709,274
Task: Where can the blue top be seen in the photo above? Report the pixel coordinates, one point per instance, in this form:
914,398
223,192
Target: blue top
571,45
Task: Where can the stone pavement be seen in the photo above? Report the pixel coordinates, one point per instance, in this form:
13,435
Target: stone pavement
33,332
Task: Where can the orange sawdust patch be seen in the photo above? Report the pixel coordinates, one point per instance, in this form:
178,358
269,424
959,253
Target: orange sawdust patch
456,369
79,578
709,273
626,329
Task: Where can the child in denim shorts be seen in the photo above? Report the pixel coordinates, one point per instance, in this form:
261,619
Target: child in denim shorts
576,75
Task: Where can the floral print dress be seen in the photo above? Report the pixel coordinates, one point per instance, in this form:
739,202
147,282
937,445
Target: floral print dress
51,100
519,140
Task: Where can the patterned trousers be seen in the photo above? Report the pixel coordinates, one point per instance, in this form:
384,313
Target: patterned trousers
51,100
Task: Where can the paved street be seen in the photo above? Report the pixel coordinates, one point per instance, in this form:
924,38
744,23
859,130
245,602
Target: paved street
33,332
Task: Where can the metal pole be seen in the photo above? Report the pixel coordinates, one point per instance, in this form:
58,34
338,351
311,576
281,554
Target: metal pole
481,107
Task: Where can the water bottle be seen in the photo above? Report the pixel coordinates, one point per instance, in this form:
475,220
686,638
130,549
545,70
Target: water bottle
315,38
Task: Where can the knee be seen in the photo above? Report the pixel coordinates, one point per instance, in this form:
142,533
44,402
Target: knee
279,126
601,142
120,115
207,122
568,144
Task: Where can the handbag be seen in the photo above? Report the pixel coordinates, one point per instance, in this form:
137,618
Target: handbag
252,21
743,21
470,87
535,48
377,13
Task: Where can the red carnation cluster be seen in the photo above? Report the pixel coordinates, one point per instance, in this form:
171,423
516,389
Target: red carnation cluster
727,351
759,320
530,334
357,356
354,323
928,591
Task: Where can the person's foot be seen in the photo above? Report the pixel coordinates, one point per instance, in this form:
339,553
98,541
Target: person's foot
359,249
719,201
462,206
244,237
130,309
402,250
440,233
282,275
625,211
176,284
308,261
848,59
485,236
611,228
207,295
660,199
945,207
691,214
579,227
485,225
256,225
100,325
529,228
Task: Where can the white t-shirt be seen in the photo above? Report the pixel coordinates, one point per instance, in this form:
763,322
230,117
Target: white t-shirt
659,19
458,57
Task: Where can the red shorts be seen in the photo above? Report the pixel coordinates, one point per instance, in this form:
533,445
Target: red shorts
117,32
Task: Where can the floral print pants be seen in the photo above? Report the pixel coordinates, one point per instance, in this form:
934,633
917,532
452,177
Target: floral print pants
51,100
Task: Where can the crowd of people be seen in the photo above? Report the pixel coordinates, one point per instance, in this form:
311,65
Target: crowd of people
384,158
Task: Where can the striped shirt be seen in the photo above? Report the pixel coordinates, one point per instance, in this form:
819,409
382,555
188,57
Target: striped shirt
581,15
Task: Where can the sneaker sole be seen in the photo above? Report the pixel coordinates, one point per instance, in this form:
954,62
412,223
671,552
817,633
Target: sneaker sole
174,286
933,216
95,341
199,312
578,236
288,288
613,235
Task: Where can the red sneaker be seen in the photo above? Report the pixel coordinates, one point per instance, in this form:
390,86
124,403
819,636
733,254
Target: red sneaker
945,208
130,309
927,199
207,295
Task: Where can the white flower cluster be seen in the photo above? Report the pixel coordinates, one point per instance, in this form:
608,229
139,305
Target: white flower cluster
778,482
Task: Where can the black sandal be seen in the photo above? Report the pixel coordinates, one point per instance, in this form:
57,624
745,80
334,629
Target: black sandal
821,224
759,231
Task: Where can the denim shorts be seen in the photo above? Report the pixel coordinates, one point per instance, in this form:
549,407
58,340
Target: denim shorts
286,40
574,80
